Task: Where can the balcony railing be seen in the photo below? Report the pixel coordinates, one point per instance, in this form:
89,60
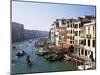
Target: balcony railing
88,35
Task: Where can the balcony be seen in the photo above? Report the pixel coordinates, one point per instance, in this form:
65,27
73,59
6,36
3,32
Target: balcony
88,36
82,35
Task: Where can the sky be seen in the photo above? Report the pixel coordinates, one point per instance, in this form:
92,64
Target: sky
40,16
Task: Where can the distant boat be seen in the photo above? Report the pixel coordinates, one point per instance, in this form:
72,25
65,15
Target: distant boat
30,41
20,53
14,47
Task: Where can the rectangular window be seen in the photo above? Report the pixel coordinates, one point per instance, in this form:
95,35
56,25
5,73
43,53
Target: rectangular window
88,42
71,42
80,25
93,42
73,38
82,51
67,25
71,31
93,29
76,33
85,52
79,33
71,26
79,52
89,30
75,25
84,41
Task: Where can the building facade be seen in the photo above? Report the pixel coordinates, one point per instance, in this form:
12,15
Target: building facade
87,50
58,32
87,41
80,33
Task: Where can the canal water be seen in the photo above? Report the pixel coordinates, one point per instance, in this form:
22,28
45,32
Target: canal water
18,65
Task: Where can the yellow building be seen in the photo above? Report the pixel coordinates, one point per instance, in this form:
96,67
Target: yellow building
70,32
87,40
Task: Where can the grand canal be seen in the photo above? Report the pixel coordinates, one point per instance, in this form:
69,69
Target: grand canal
18,65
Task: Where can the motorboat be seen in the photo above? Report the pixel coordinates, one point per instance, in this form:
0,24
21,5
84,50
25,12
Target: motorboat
20,53
84,67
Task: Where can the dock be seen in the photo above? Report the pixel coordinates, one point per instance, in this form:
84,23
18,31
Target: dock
73,59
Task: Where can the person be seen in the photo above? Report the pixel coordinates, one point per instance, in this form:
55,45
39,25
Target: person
28,60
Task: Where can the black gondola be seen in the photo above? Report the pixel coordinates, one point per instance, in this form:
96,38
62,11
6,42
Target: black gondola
29,62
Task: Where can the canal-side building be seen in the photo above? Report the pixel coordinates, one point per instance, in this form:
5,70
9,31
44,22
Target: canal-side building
54,33
58,33
79,33
17,31
87,38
